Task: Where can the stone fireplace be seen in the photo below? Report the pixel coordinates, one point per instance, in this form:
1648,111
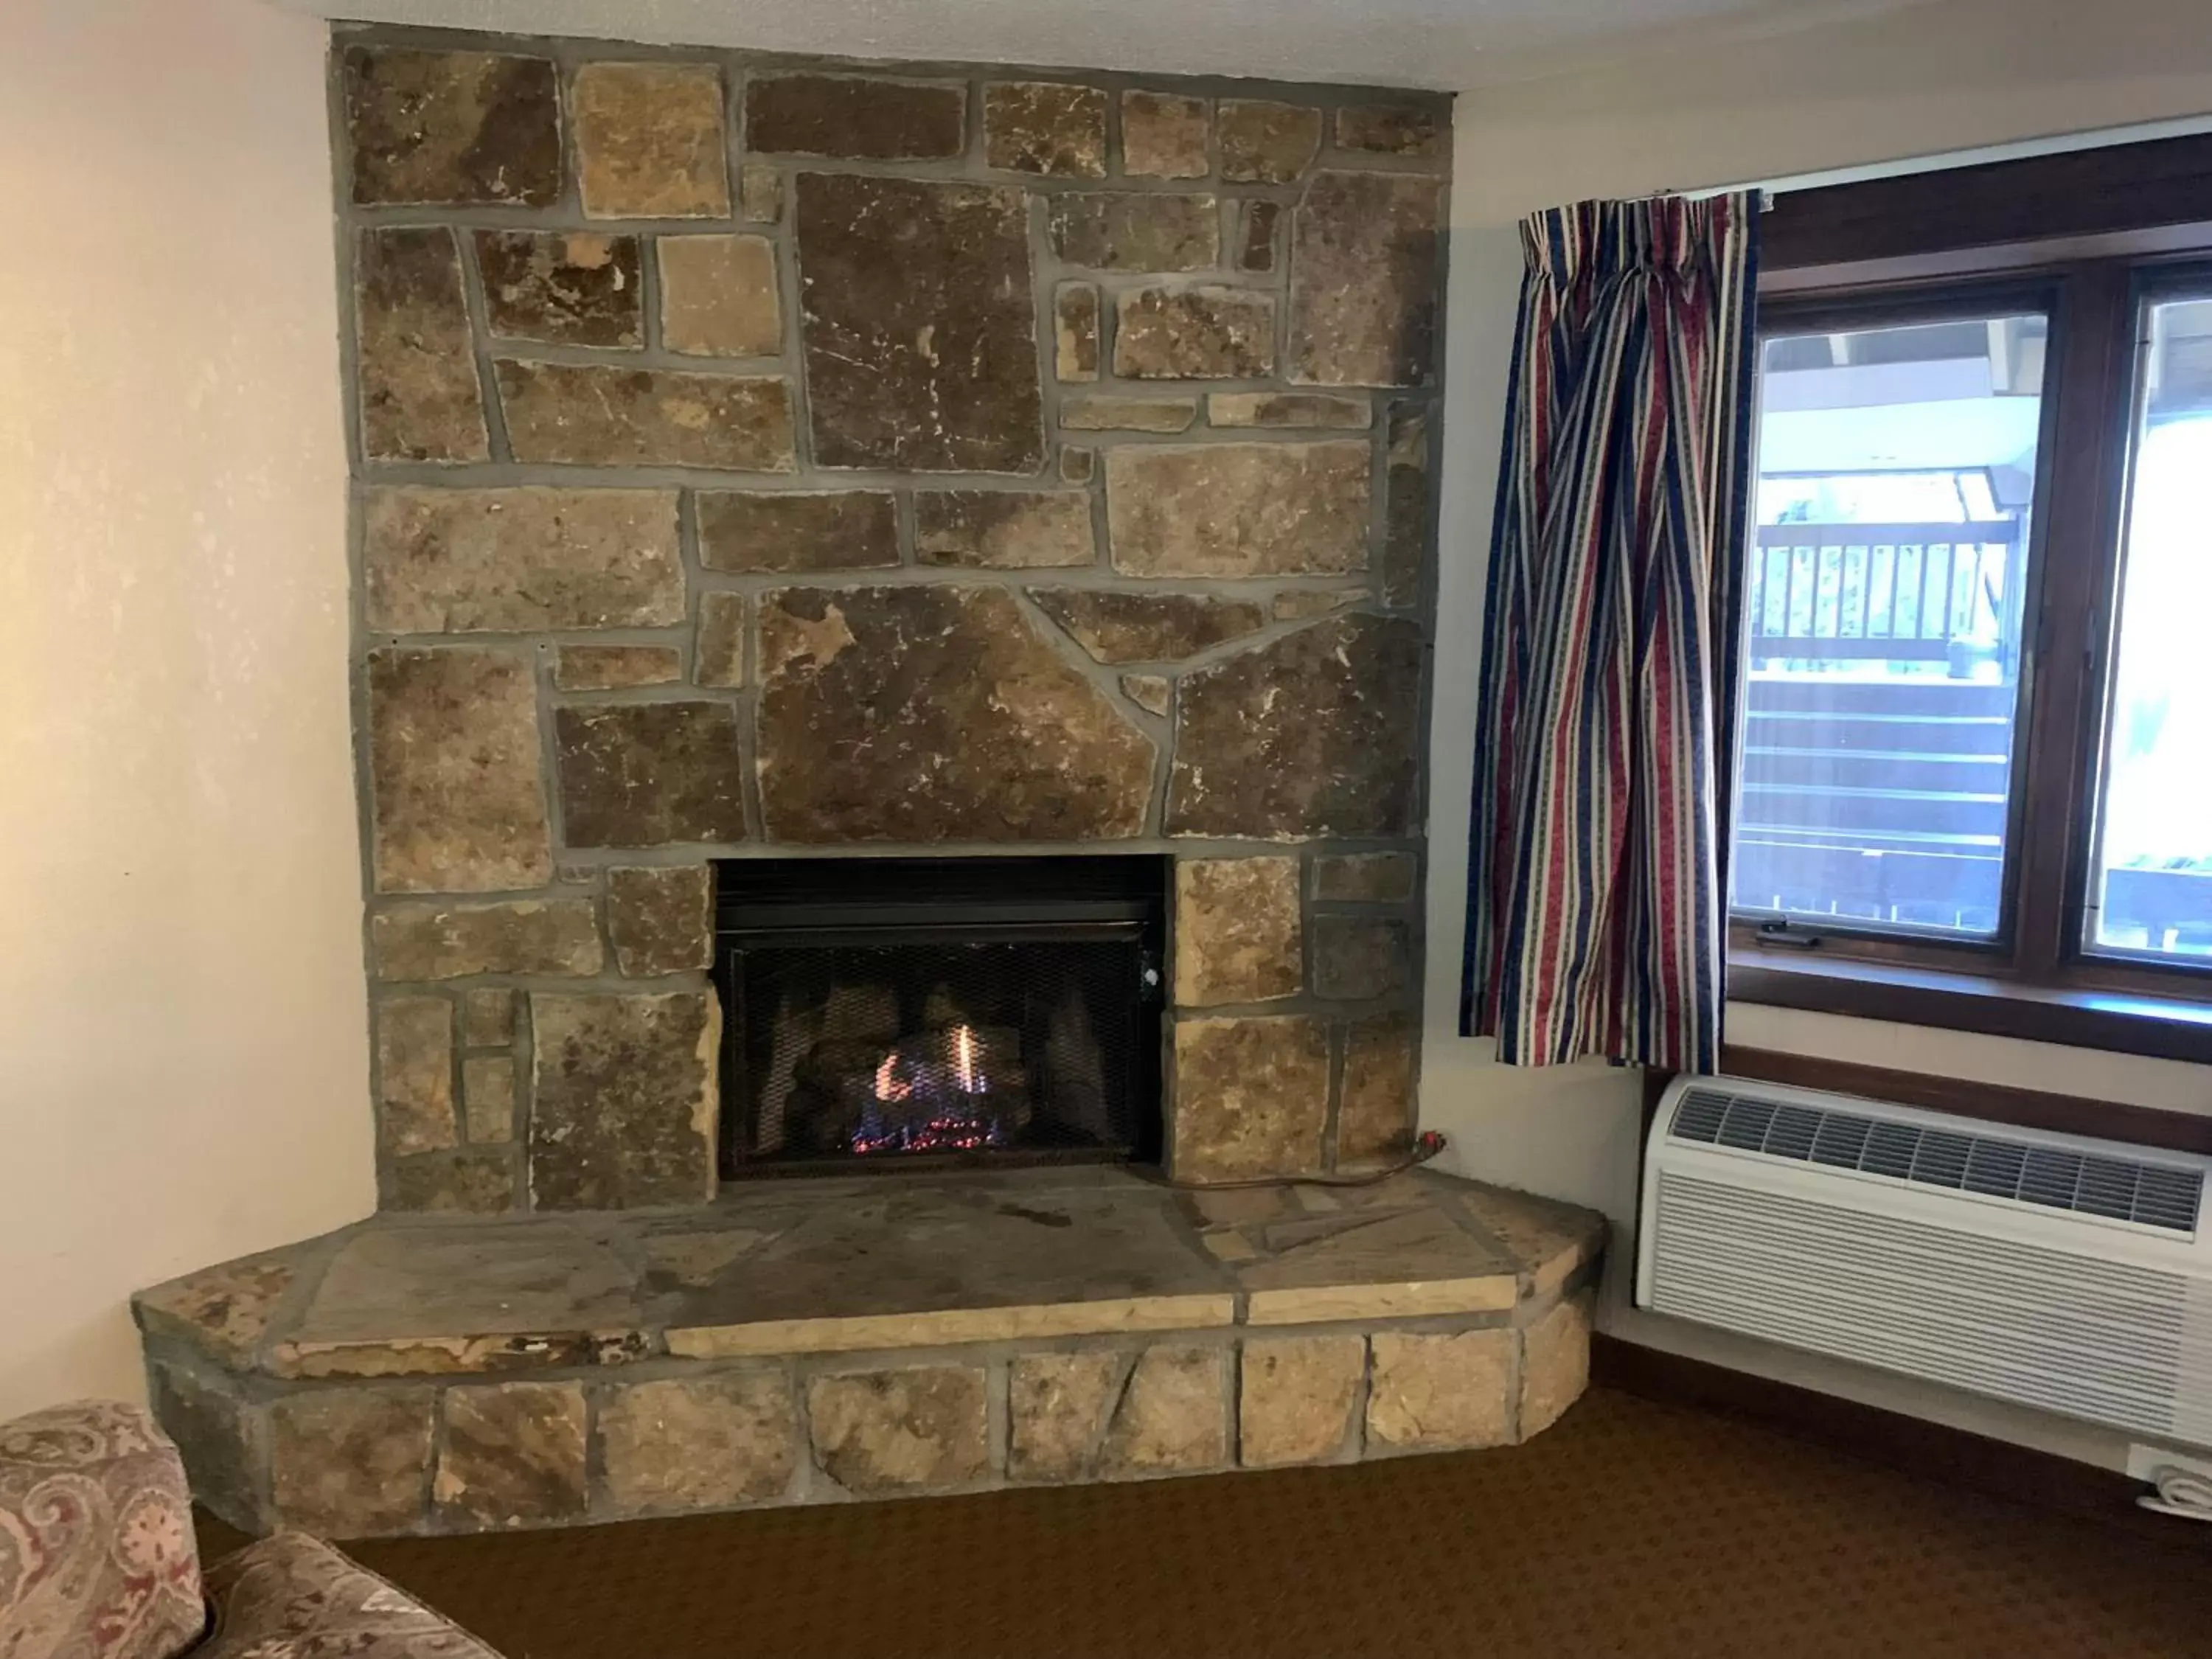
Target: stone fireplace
781,486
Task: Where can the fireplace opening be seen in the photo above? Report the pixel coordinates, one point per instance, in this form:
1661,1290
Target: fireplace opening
895,1012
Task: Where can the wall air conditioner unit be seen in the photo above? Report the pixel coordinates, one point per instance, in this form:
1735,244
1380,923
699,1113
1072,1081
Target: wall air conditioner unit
2052,1270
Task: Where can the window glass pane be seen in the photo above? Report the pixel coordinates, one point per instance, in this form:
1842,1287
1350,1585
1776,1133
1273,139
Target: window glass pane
1882,605
2151,889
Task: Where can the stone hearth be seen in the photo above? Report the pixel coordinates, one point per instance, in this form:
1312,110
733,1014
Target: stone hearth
802,1342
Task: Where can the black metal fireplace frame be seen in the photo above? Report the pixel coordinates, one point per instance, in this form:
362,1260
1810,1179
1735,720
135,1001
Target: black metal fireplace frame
1015,898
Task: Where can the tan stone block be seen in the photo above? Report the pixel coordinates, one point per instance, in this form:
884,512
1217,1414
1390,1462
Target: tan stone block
415,1074
1154,693
949,1326
660,919
719,296
487,1096
1045,126
1554,1364
718,657
1108,412
615,667
1057,1407
1194,334
1289,409
421,399
1267,143
1003,529
513,1455
1374,1114
223,1310
351,1462
760,194
1239,509
1551,1241
1296,1397
601,415
703,1443
1433,1393
542,937
1075,331
1173,1415
798,530
1364,266
1136,230
1391,130
649,142
1251,1097
487,1018
1238,931
900,1430
1165,137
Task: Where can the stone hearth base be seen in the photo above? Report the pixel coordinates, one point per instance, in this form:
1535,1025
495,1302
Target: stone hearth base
806,1342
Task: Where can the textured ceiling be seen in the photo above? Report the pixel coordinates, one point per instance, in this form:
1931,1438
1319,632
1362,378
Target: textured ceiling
1449,43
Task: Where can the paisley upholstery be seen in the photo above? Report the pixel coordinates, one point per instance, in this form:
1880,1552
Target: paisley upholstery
294,1597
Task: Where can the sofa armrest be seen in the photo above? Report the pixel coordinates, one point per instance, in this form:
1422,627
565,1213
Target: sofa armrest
293,1593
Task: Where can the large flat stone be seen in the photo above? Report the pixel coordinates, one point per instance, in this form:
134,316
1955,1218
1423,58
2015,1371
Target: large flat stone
705,1442
1136,230
1045,126
1204,334
649,141
1173,1417
1057,1406
809,530
567,286
351,1462
1318,733
452,128
1552,1241
1438,1392
453,941
1364,268
1164,136
897,1430
1375,1117
595,415
927,713
415,1075
1295,1399
650,774
1238,509
1115,627
417,368
919,325
625,1099
1238,932
854,117
513,1455
1415,1264
1251,1098
1266,142
457,794
518,561
1003,529
719,296
660,919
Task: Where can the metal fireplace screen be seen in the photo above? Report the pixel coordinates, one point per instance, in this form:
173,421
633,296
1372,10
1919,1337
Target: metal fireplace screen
889,1012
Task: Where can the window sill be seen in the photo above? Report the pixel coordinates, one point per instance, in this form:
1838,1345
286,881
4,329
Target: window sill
2113,1021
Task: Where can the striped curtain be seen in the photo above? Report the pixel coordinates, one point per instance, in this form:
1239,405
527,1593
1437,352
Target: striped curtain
1594,899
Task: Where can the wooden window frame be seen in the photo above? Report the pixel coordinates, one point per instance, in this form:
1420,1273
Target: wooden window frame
2089,236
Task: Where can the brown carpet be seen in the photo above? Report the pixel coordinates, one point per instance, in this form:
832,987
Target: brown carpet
1631,1528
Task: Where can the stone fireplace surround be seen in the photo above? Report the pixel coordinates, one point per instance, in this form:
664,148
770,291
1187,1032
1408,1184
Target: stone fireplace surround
754,456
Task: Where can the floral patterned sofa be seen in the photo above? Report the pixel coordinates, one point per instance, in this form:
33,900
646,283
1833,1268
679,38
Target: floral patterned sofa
97,1561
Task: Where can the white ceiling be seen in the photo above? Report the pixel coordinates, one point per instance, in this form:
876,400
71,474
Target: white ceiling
1447,44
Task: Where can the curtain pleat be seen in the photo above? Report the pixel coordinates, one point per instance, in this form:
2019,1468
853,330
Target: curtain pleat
1603,742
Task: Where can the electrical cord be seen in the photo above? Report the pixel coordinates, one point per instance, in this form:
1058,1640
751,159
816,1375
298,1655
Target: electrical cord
2180,1492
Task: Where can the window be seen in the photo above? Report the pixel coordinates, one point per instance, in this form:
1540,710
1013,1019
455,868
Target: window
1973,753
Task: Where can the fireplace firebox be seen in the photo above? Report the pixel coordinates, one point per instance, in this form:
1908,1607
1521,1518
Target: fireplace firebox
895,1012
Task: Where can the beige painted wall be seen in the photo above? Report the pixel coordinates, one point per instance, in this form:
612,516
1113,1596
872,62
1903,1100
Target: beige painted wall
1946,77
183,1059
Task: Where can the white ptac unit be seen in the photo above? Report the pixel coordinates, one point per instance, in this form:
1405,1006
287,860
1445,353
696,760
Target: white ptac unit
2055,1271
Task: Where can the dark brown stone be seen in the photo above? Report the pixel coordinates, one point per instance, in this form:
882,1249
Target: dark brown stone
1375,1119
843,530
1288,409
415,942
1406,507
572,286
1136,230
1045,126
615,667
660,919
351,1462
1003,529
649,141
465,1183
1107,412
1119,628
1356,958
1318,733
920,333
1257,250
513,1455
518,561
1251,1098
1237,936
487,1018
221,1439
1077,465
927,714
1267,143
1194,334
623,1099
1163,137
1391,129
448,128
590,414
420,397
854,117
1365,877
718,656
1363,265
1271,509
895,1430
415,1075
458,795
1075,331
719,296
646,773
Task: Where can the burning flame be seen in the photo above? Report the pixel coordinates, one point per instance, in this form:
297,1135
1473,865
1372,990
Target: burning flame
889,1085
964,1050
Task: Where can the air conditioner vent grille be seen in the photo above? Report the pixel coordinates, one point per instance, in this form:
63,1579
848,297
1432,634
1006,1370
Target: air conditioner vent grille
1991,1166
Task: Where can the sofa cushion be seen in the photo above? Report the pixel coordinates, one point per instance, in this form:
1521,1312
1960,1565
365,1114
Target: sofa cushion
292,1597
97,1553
